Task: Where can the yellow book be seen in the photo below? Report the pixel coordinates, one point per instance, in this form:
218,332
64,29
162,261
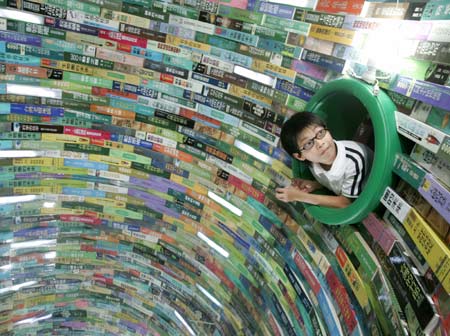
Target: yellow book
189,184
433,249
242,92
337,35
105,202
51,162
264,67
113,144
38,190
125,198
109,160
61,211
178,41
68,66
40,300
64,138
126,317
281,167
111,217
353,278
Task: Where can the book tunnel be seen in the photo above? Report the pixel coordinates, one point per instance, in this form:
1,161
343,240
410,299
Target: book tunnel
224,167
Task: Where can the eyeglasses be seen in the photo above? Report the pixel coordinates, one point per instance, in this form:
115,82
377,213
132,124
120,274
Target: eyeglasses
310,144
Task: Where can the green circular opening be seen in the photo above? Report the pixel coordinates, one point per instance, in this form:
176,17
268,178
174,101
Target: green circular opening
345,104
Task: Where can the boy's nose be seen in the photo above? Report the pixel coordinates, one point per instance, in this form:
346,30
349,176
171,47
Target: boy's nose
320,143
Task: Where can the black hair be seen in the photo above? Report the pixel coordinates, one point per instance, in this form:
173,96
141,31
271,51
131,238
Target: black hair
294,126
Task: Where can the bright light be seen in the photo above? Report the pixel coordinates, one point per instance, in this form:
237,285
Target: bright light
225,203
33,243
50,255
212,244
49,204
28,90
365,9
359,39
256,76
295,3
17,287
9,154
209,296
34,319
17,199
186,325
383,52
21,16
6,267
253,152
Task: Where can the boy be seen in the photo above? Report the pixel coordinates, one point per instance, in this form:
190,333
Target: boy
340,166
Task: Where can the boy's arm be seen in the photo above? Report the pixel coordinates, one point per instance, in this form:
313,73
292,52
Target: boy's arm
327,200
291,194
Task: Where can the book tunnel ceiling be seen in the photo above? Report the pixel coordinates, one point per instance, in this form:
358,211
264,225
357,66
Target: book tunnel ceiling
139,154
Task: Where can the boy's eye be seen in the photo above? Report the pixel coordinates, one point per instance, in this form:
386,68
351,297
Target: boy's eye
309,144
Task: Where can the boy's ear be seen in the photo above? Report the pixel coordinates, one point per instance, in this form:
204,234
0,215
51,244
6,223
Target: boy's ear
298,156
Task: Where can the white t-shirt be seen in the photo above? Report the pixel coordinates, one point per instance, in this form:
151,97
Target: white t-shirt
349,171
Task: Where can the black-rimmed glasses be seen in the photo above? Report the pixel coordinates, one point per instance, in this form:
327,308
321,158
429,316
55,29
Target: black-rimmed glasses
310,143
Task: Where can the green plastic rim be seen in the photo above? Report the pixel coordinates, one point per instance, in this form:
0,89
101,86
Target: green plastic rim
344,104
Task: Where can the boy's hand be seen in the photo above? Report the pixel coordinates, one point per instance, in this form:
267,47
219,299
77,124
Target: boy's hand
305,185
290,193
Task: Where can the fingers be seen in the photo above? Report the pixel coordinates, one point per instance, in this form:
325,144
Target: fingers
306,187
297,182
290,194
282,197
281,194
302,184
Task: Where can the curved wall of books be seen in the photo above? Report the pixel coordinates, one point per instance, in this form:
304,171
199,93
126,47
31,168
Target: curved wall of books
139,156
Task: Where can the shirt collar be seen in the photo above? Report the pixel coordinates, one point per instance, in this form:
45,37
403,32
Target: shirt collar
338,166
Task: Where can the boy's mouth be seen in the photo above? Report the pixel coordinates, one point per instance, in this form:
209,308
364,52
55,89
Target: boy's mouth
324,151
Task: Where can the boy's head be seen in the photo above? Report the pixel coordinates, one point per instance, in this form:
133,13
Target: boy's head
305,137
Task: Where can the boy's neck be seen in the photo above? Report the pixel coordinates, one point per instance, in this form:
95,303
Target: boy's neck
326,166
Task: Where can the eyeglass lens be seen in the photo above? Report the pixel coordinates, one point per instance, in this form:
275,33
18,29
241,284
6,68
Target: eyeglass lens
319,135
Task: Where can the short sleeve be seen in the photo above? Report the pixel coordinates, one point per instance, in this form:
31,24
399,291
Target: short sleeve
355,174
350,184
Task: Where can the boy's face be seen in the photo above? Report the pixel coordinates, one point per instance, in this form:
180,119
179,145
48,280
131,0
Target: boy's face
322,151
